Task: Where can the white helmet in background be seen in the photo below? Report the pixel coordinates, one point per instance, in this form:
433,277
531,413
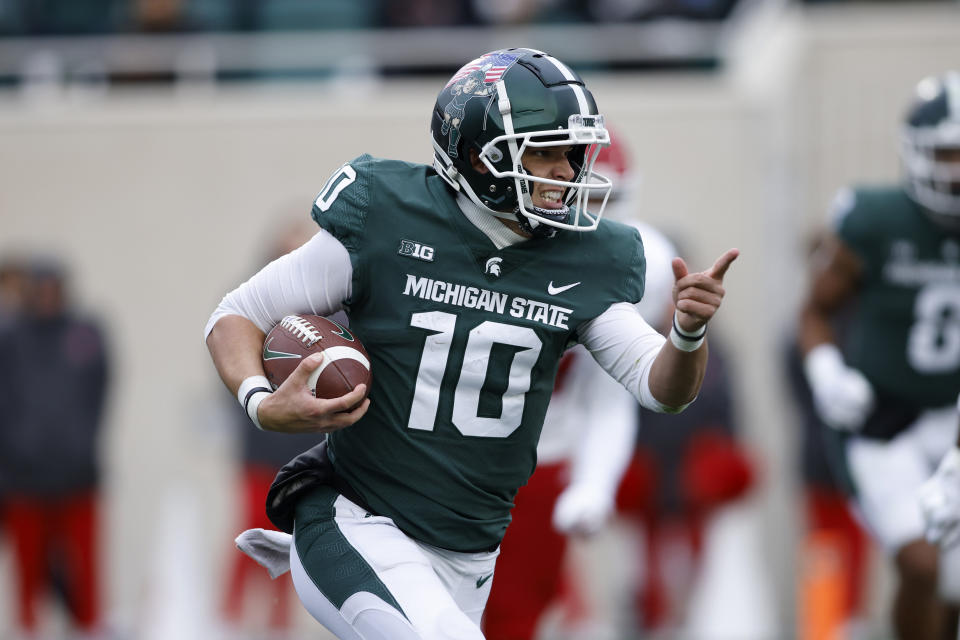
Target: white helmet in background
615,162
657,302
930,148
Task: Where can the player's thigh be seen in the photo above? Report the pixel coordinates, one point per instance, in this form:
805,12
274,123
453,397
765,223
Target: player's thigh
886,476
359,571
467,577
349,624
935,432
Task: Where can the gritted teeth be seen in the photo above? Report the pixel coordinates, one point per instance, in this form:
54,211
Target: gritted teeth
551,197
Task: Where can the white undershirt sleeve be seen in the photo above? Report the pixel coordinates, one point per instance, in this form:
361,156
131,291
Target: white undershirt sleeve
605,448
622,342
314,278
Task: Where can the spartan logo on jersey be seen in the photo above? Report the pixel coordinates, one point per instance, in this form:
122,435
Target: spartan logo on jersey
416,250
476,78
493,266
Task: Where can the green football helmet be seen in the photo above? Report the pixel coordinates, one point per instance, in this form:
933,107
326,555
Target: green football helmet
502,104
930,147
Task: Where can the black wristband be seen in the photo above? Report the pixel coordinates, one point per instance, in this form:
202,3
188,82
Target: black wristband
250,393
687,336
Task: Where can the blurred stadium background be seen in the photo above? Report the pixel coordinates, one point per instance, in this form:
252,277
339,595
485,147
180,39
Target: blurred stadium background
149,143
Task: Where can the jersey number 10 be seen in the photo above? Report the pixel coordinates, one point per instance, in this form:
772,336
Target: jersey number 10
476,361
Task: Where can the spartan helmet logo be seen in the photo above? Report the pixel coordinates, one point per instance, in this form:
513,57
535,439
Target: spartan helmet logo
493,266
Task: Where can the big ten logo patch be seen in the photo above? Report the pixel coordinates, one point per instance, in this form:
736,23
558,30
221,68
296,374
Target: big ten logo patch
416,250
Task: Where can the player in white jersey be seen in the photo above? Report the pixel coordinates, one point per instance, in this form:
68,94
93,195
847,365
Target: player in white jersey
584,449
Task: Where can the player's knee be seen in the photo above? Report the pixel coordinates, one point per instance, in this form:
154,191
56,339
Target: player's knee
387,624
453,624
917,566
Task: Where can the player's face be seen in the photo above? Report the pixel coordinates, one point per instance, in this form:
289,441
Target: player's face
548,162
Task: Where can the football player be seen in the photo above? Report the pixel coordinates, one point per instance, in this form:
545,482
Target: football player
466,281
888,391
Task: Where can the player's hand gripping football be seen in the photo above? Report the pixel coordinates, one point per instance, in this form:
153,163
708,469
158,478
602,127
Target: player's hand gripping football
697,296
293,409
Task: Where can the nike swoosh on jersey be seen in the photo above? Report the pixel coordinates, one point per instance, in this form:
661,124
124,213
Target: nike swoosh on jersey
552,290
482,580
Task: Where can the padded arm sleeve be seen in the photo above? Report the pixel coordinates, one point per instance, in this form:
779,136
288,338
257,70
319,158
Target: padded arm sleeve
622,342
315,278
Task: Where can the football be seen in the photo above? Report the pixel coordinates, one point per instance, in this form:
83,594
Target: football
345,361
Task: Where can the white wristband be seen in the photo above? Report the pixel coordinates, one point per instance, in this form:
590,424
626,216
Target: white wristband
253,405
251,393
686,341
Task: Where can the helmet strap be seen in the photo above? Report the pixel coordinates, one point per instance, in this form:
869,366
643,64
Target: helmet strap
533,227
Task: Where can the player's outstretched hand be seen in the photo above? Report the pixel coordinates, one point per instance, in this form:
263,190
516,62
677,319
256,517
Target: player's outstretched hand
582,510
842,395
697,296
293,409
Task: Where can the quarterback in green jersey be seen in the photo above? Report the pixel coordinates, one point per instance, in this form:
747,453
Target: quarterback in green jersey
889,392
466,281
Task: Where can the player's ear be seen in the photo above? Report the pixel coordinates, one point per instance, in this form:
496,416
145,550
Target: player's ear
477,163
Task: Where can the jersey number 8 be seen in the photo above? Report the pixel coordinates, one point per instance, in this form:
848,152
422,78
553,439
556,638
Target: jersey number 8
934,342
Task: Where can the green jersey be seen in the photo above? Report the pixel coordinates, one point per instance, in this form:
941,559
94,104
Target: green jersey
905,332
464,341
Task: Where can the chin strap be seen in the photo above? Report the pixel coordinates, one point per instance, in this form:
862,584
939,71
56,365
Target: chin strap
526,225
533,228
536,229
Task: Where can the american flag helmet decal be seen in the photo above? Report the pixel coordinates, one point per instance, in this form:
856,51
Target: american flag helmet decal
493,65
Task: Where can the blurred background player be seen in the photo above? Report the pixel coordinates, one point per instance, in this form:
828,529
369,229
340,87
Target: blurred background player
685,469
53,386
835,547
584,448
889,390
12,284
262,455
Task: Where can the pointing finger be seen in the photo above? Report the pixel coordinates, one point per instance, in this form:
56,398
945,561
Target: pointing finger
719,268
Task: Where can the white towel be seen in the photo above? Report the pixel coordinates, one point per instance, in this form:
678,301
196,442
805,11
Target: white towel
271,549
